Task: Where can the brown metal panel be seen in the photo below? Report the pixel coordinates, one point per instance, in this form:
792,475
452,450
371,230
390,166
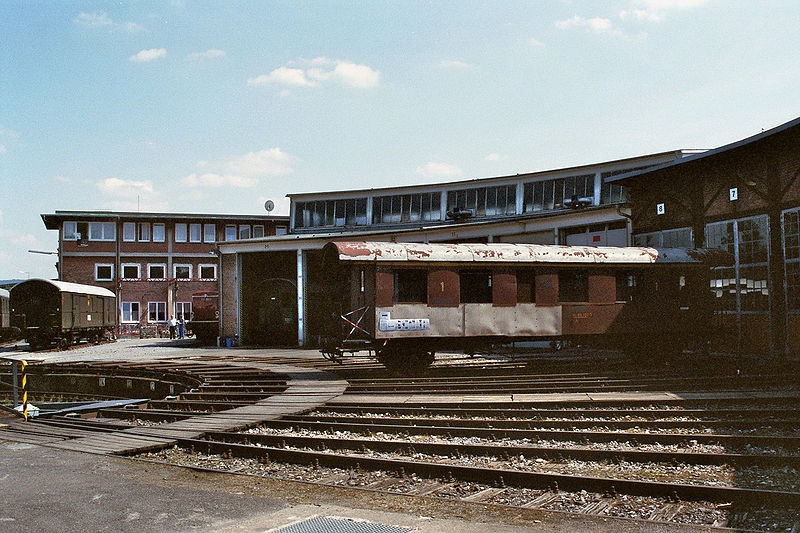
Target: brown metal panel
504,289
443,288
602,288
384,287
547,288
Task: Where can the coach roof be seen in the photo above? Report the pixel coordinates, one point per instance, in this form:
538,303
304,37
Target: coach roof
510,253
77,288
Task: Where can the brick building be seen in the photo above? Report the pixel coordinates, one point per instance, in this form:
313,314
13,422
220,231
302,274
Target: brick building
743,198
153,262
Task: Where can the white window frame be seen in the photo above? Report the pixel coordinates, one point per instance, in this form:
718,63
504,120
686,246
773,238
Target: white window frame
195,233
281,230
257,229
144,232
162,306
150,274
130,305
138,270
105,228
129,231
70,231
162,230
98,265
244,228
228,235
212,228
180,309
184,228
206,265
175,271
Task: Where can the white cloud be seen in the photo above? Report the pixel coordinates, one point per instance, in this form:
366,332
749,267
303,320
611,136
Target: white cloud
25,239
313,72
455,64
269,162
2,149
282,75
656,10
433,169
595,24
641,14
62,179
125,188
218,180
99,19
143,56
494,156
535,42
208,54
94,20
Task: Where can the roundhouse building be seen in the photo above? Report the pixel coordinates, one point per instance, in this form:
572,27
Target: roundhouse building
153,262
271,286
744,198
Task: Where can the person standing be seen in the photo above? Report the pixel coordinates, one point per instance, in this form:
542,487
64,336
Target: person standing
181,327
173,324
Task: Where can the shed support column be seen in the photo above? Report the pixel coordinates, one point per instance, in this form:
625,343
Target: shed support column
301,307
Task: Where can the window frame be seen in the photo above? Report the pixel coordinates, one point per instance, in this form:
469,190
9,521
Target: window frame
175,267
70,235
99,265
138,270
104,228
130,305
206,265
183,228
150,274
198,229
228,234
162,232
144,232
206,228
244,229
408,296
468,290
186,316
258,227
127,227
160,307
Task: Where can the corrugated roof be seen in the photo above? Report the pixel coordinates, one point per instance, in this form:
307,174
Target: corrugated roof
77,288
510,253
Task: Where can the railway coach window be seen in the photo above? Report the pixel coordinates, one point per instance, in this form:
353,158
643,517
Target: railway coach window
476,286
626,285
410,286
573,286
526,286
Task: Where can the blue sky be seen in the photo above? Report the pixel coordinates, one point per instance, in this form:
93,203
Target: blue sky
217,106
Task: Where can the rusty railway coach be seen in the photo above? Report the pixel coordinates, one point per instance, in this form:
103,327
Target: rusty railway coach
6,331
59,312
407,301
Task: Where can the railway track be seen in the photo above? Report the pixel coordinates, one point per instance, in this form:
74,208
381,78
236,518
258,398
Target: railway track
727,454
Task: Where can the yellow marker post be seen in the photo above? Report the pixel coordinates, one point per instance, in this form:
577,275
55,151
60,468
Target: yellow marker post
24,381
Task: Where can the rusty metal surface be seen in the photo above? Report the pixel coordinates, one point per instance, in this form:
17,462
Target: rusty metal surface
510,253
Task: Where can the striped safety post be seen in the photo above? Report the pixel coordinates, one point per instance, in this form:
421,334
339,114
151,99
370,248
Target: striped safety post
24,382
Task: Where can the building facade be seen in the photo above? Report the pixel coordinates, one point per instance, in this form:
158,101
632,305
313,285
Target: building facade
271,286
153,262
743,198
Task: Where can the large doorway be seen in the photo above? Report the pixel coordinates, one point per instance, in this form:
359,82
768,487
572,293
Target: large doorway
269,298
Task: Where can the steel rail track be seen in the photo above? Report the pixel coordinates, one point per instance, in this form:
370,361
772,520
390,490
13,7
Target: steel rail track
503,477
506,450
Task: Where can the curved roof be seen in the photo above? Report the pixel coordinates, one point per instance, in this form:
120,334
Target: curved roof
511,253
3,293
77,288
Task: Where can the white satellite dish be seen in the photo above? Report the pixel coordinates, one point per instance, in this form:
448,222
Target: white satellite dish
269,205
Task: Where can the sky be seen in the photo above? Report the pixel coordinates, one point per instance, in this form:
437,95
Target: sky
215,107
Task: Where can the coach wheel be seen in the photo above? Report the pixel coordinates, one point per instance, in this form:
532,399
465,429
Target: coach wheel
64,343
405,360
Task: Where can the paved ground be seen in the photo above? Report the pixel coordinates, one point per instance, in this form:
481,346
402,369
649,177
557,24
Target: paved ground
44,489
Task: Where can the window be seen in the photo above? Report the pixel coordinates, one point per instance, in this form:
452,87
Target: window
485,201
156,311
209,232
258,232
612,193
194,232
476,286
281,230
130,271
103,272
183,271
244,232
180,232
208,271
129,231
70,232
158,233
144,232
130,311
548,195
573,286
342,212
406,208
410,286
183,309
230,233
157,271
672,238
102,231
526,286
626,286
